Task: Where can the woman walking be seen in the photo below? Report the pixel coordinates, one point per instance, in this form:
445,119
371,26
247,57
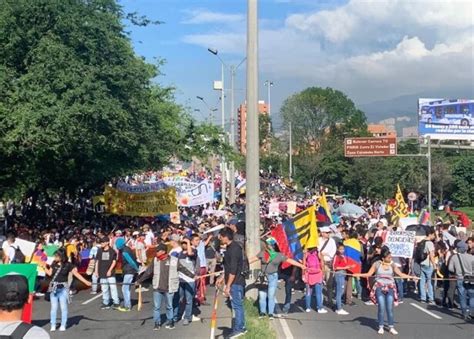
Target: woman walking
58,287
313,278
271,260
384,291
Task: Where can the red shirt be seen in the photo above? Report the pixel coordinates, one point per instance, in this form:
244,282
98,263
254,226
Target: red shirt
339,262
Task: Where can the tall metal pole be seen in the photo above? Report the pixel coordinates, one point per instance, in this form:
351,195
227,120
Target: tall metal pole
269,95
429,176
223,169
291,154
232,137
252,209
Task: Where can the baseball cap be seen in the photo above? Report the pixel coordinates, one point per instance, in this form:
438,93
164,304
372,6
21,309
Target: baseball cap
324,229
118,232
13,291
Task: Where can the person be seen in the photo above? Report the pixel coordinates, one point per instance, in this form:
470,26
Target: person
187,286
14,296
313,278
140,249
211,259
427,268
164,270
105,271
92,263
59,288
327,247
9,247
384,291
462,265
340,267
271,260
233,281
129,268
201,265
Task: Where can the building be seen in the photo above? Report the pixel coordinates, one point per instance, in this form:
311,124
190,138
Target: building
379,130
242,124
410,131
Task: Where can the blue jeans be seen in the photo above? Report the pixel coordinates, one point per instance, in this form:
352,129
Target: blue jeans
340,280
399,283
268,293
95,280
384,303
465,294
186,290
425,278
60,298
127,279
237,304
109,287
318,291
158,297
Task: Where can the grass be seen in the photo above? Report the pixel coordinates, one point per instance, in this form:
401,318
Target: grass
257,328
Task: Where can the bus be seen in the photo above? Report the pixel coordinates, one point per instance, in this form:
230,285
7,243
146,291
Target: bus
448,112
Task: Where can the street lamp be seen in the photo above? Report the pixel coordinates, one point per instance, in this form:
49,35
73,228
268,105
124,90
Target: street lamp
211,110
269,85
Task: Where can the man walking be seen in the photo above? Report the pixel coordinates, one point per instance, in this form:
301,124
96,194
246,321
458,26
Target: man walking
427,268
327,249
105,271
129,268
234,281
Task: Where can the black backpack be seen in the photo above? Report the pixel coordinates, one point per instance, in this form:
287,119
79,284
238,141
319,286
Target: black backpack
19,332
420,254
19,257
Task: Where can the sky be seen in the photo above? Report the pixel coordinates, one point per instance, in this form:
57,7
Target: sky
371,50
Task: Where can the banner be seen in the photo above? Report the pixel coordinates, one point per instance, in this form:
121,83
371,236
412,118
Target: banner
26,247
190,193
140,204
175,218
98,203
401,243
444,119
398,207
291,207
142,188
274,209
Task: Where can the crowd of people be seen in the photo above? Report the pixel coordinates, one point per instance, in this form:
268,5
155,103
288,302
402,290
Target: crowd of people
179,261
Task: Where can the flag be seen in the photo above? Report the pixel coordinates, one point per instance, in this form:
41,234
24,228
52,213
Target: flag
398,207
353,251
424,218
301,232
324,213
280,236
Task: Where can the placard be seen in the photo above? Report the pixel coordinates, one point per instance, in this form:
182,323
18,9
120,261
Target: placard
401,243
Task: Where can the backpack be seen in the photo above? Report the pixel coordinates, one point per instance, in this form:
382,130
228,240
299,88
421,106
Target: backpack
20,331
19,257
313,273
420,254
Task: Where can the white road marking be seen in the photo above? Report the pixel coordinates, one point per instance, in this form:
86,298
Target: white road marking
92,299
426,311
286,328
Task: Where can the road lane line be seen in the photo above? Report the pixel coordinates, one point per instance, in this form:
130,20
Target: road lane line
426,311
286,328
92,299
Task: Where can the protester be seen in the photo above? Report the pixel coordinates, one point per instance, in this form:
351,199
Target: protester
271,260
14,296
58,287
340,267
105,271
327,247
428,264
164,270
233,281
187,286
384,291
129,269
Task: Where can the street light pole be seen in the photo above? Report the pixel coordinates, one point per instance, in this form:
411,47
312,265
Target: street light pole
252,208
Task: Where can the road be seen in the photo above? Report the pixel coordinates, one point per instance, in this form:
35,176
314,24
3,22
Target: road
413,320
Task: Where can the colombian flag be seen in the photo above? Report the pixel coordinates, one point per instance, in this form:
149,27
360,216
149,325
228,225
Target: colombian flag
353,253
324,213
297,234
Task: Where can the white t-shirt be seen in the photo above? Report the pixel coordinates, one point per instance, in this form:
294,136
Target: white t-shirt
149,238
9,250
7,328
329,251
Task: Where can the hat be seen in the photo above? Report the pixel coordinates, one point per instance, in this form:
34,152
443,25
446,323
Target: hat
461,246
104,239
118,232
324,229
135,233
174,237
13,291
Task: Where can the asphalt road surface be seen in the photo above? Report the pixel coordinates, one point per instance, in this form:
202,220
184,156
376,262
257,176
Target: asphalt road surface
412,320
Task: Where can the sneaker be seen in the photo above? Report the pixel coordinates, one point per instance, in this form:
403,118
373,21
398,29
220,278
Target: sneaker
431,303
261,315
123,309
62,329
322,311
53,329
393,331
369,303
342,312
400,301
105,307
194,318
186,322
308,310
143,289
93,292
381,331
116,306
271,316
39,294
157,327
169,326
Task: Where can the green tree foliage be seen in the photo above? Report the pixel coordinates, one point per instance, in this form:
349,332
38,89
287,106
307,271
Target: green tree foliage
463,173
77,105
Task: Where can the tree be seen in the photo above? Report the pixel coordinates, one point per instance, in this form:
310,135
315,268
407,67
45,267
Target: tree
463,175
77,106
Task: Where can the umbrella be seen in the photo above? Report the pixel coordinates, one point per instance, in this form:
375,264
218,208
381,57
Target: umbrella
421,230
350,210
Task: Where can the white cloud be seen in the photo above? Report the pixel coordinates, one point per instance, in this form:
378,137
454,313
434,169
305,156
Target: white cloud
370,49
209,17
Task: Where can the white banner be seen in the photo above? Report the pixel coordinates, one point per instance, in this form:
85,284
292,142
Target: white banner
191,193
401,243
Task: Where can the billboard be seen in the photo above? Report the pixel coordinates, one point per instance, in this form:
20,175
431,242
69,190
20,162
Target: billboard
445,119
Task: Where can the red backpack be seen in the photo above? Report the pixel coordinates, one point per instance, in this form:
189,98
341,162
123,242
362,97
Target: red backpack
313,274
